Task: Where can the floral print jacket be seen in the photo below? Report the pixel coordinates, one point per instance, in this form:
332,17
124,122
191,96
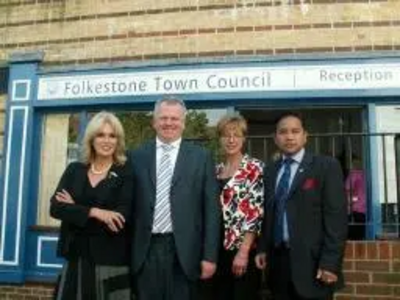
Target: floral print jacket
242,200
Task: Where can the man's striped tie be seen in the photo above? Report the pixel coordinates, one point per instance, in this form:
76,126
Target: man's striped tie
162,213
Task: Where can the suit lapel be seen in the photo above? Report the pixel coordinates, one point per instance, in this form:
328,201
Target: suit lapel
182,161
273,174
301,173
152,166
275,171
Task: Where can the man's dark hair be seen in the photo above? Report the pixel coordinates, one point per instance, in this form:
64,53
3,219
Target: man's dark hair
287,114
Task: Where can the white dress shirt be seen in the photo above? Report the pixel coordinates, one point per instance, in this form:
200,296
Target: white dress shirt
173,154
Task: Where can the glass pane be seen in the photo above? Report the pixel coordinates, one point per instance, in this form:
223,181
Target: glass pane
60,144
59,147
201,127
137,126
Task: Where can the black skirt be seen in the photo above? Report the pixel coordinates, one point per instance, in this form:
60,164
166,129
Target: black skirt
84,280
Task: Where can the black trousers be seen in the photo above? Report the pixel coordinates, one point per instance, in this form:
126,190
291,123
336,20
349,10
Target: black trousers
226,286
162,277
282,286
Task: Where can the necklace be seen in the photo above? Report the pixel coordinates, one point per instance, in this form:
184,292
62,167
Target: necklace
99,172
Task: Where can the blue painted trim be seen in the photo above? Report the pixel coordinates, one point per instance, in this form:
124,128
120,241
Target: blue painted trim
34,180
272,98
12,276
42,257
16,170
6,145
41,276
375,217
25,57
14,193
30,157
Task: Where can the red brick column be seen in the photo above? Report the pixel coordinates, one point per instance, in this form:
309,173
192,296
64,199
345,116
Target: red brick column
372,270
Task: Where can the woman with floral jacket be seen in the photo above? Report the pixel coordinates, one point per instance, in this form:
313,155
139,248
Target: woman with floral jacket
242,194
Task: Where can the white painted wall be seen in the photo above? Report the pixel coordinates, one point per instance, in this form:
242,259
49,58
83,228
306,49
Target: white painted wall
388,120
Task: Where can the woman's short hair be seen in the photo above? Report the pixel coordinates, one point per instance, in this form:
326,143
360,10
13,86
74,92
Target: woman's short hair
232,121
93,128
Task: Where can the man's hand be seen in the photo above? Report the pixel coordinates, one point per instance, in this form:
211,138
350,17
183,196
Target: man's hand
261,260
326,276
207,269
239,264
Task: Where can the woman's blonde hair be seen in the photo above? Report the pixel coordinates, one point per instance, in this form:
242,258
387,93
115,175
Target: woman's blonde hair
93,128
233,120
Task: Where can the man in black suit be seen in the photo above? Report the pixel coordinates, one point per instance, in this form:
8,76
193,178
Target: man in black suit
305,225
176,212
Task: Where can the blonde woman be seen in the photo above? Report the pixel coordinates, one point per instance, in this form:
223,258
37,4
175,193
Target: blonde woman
92,201
240,178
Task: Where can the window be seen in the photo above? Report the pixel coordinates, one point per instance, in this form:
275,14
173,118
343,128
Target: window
61,136
397,207
59,147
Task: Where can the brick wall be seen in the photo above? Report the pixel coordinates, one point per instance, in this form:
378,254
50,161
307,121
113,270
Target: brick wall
91,31
372,271
31,291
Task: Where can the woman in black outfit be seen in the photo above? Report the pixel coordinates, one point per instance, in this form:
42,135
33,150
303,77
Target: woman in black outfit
92,201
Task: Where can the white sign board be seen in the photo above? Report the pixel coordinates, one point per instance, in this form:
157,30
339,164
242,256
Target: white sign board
222,80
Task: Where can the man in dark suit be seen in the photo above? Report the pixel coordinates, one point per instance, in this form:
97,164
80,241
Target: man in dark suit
305,225
176,211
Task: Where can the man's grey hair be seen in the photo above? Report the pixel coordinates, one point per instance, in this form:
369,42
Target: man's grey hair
169,101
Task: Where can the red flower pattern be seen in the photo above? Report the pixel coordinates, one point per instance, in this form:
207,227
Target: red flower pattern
244,205
242,201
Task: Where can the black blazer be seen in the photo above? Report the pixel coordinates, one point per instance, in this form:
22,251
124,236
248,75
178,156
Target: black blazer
317,222
195,210
84,236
